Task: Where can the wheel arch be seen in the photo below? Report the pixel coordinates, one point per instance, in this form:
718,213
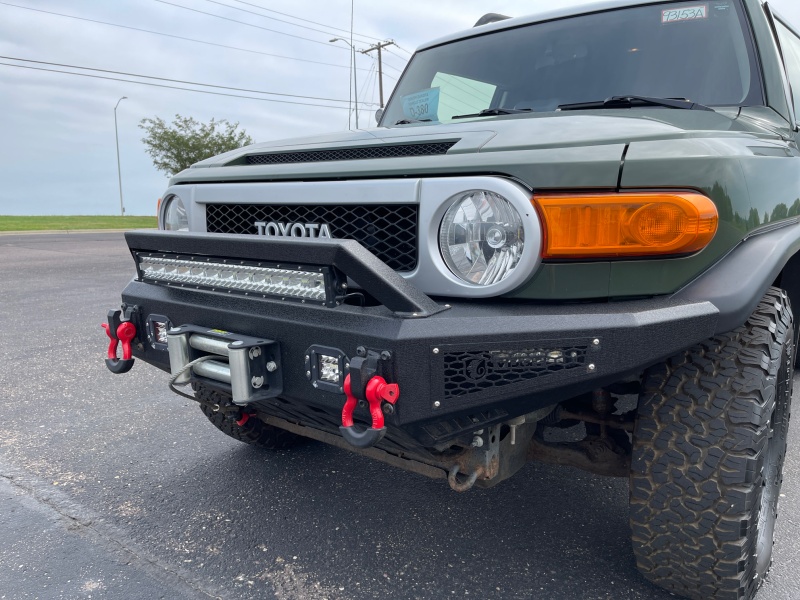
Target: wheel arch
736,283
789,281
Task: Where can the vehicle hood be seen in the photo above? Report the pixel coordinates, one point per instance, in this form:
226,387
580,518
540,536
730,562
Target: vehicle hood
493,144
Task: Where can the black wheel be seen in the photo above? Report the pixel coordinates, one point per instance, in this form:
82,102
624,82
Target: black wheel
231,421
708,452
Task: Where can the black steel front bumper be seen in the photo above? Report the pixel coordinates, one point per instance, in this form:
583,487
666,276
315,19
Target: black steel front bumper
459,363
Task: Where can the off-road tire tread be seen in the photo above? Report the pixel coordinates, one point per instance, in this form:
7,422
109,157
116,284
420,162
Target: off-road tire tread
254,431
698,450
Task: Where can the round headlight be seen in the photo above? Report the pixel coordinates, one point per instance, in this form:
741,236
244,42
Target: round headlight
481,237
175,218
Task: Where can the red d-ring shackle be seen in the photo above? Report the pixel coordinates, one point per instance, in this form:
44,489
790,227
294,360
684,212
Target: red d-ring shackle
377,390
124,335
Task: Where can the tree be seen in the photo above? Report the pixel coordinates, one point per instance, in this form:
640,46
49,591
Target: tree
175,147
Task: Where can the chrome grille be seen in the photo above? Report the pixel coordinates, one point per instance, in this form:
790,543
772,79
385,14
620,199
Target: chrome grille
389,231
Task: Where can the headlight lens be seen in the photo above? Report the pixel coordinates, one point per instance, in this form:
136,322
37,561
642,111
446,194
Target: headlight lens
175,218
481,237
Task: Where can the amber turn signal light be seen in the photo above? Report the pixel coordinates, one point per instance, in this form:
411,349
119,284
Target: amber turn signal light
625,224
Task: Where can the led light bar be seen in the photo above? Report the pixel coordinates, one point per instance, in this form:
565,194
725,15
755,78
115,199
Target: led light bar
256,279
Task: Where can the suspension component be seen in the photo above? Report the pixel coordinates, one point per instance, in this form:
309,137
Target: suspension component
603,405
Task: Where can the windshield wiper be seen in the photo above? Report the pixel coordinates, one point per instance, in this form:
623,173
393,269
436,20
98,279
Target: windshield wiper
409,121
634,101
494,112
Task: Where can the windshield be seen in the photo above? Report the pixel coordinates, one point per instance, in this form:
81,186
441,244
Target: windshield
701,51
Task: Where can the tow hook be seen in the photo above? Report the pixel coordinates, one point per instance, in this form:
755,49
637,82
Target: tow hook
119,331
363,383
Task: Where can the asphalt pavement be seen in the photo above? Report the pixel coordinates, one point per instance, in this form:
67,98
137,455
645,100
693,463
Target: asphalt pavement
113,487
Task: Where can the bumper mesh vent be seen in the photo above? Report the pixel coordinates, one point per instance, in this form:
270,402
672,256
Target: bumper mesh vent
469,372
276,158
388,231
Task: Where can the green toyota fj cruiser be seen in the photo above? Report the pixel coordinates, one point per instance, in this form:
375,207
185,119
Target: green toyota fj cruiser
554,214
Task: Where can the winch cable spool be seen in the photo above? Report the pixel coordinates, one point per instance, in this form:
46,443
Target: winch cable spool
182,371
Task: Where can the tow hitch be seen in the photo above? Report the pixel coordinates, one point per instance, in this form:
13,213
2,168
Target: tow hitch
120,330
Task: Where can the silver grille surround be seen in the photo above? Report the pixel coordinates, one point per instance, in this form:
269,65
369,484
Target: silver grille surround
431,194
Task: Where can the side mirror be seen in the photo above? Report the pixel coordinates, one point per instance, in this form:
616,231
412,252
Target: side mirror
378,115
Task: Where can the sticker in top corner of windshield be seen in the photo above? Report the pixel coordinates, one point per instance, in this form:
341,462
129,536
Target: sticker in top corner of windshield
422,105
720,7
689,13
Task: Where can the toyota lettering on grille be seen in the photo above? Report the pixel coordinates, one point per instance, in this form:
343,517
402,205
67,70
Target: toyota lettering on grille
310,230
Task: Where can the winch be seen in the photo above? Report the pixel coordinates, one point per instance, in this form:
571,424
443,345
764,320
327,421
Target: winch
250,366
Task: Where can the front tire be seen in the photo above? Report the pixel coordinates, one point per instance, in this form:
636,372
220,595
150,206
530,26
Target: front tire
216,407
708,452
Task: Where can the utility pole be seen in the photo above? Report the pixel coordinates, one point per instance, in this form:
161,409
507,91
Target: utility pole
353,76
119,168
379,46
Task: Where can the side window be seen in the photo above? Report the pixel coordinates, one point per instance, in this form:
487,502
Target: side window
790,46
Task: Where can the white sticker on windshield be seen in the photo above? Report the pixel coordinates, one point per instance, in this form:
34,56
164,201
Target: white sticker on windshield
422,106
691,13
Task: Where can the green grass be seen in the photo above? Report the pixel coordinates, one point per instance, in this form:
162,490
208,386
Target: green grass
58,223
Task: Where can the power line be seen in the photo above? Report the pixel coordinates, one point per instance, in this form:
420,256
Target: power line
392,67
277,12
211,85
362,35
327,32
172,87
405,60
366,84
186,39
398,57
374,80
364,87
245,23
178,37
379,47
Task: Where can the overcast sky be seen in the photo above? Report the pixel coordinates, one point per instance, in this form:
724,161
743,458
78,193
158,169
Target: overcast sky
57,146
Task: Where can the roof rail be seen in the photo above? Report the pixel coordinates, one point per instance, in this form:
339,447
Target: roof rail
490,18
